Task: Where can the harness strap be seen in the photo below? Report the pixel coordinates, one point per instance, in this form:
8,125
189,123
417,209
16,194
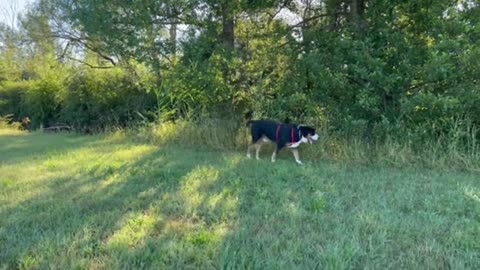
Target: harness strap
292,134
278,133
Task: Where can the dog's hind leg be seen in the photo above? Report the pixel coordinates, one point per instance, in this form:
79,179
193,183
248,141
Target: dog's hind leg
277,149
258,146
297,156
249,150
256,136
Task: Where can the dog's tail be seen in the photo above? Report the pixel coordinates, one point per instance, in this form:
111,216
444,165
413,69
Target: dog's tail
248,117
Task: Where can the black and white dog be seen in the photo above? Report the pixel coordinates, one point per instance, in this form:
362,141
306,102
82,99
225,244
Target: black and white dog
282,134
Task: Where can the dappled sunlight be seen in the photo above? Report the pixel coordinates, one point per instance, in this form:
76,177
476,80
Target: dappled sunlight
293,209
180,222
12,132
232,161
192,230
126,130
191,188
472,193
89,159
222,200
201,190
165,130
68,189
113,205
179,226
135,228
72,170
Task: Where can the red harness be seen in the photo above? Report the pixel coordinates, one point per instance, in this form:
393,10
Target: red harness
292,134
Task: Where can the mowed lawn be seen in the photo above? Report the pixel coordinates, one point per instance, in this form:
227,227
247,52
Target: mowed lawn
107,202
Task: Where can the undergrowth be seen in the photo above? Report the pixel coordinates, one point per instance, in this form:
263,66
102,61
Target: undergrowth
459,149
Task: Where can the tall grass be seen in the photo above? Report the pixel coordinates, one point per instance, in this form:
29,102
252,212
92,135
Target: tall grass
458,149
218,134
8,126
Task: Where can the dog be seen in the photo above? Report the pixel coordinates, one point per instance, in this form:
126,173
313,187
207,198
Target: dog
282,134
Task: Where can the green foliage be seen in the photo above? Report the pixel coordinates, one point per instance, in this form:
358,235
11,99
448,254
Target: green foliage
12,98
365,69
6,123
99,100
43,101
88,100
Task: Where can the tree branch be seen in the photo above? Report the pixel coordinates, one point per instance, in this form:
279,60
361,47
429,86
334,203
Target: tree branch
88,64
84,42
284,5
309,19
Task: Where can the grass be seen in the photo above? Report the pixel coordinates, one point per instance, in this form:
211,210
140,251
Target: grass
110,202
458,150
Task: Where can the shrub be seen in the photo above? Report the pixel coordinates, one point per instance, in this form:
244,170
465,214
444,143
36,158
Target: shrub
98,100
12,97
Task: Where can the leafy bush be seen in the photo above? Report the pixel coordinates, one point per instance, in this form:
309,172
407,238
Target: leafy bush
6,122
12,97
98,100
43,101
88,100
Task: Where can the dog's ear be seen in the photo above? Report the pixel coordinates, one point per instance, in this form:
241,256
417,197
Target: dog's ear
306,129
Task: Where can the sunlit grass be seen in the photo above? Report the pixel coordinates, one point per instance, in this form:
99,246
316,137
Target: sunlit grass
107,202
11,132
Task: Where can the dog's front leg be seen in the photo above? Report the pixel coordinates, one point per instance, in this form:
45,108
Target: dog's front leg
274,155
249,149
277,149
257,152
297,156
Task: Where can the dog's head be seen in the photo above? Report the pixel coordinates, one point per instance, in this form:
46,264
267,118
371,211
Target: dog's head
308,134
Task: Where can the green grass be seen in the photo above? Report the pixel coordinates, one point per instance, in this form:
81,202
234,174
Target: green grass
108,202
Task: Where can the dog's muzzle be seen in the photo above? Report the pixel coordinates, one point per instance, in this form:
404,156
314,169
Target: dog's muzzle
310,138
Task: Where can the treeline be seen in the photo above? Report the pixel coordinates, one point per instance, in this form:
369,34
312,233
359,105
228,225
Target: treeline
367,68
89,101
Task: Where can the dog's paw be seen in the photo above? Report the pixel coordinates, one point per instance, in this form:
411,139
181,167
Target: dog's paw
299,162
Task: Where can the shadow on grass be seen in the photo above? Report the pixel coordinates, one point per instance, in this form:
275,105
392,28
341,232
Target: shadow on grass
169,208
32,146
178,208
86,210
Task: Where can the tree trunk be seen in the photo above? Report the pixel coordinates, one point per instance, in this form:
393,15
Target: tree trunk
173,40
228,35
357,8
354,11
